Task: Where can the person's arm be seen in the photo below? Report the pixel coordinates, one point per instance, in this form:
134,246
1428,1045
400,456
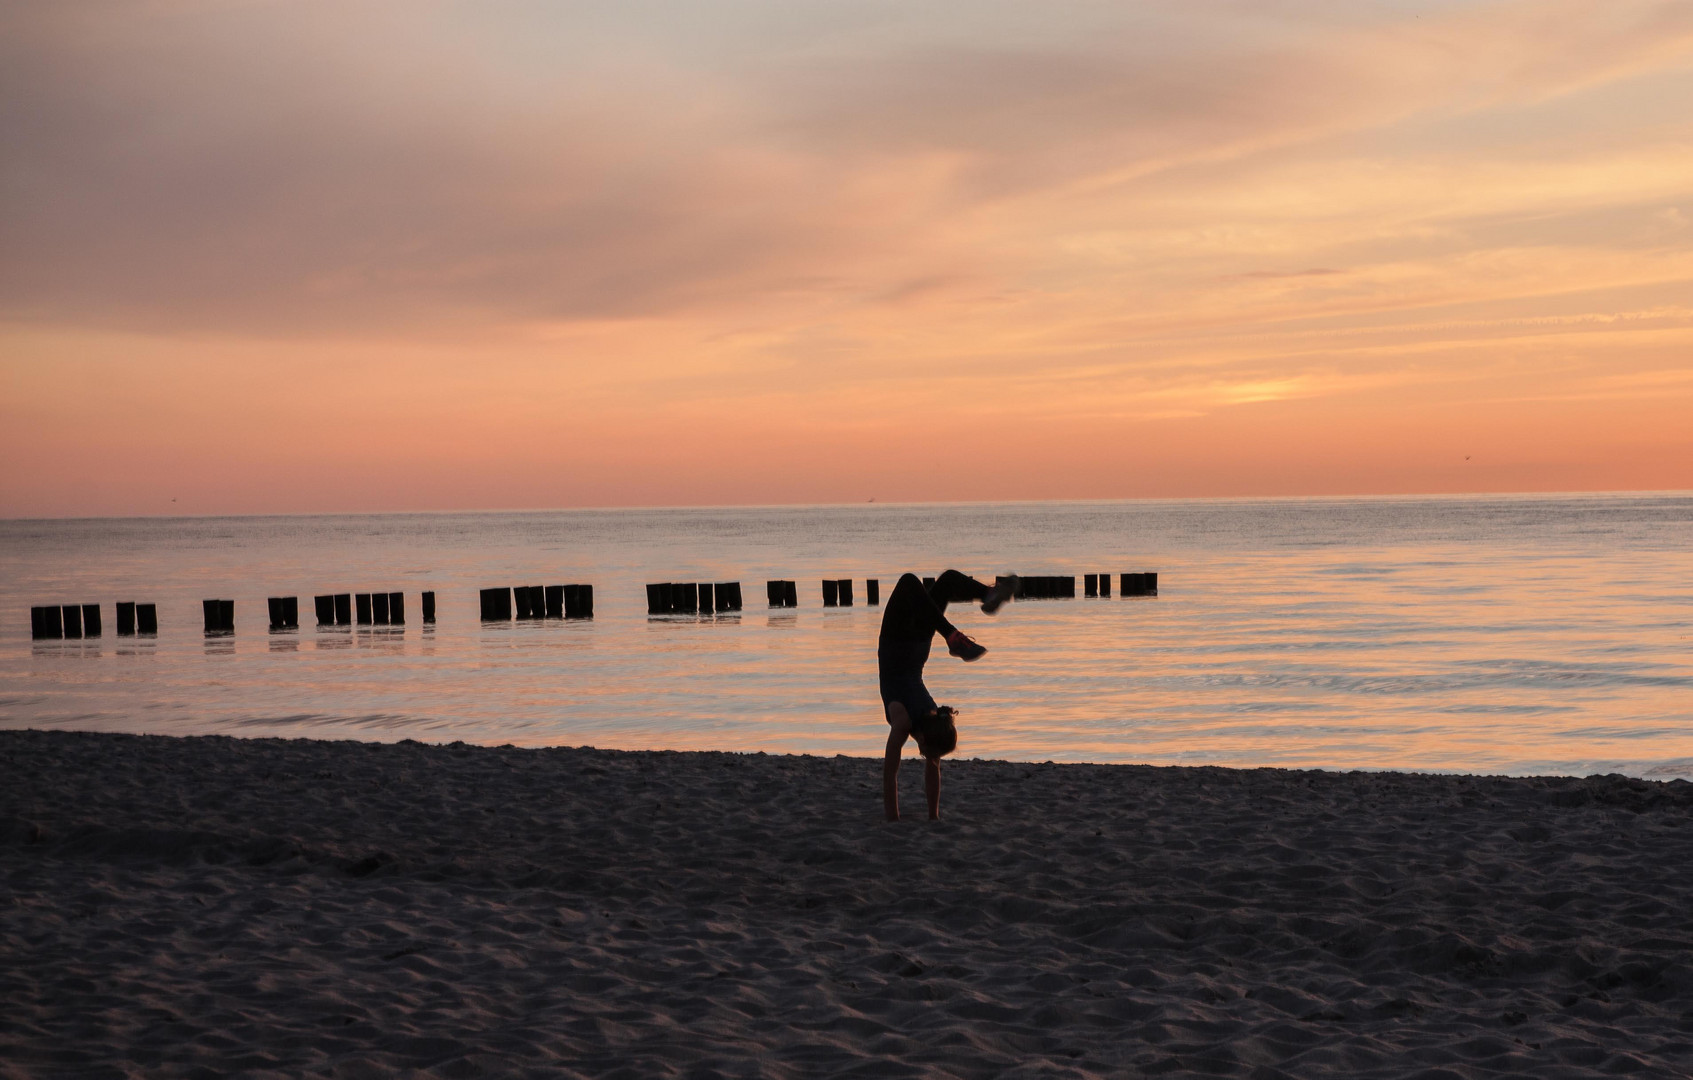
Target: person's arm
899,731
932,786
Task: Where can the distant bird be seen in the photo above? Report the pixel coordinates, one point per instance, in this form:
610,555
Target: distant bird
1466,458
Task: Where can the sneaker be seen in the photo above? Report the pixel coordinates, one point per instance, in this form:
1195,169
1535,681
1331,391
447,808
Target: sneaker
963,648
1003,589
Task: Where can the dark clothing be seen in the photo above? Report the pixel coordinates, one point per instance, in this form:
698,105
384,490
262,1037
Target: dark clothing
911,619
899,665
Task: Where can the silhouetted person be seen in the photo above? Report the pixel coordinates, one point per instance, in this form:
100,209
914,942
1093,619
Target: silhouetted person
912,617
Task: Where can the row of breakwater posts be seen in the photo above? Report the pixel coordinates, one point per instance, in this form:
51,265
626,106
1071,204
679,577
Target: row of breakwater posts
1042,587
694,598
535,602
332,609
60,621
343,609
681,598
335,609
83,620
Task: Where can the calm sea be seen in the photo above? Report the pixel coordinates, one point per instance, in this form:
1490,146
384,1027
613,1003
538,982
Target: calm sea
1525,634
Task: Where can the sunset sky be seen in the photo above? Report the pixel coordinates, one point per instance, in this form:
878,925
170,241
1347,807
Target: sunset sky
277,257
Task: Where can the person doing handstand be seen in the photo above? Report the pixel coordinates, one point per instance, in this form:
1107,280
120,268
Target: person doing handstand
913,616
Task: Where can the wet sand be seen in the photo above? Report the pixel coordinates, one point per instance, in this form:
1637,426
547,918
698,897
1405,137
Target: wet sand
203,906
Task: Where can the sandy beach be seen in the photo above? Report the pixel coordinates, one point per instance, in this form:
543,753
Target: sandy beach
211,906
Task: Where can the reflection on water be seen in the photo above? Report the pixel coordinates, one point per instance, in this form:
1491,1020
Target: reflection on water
75,649
387,640
339,637
1504,634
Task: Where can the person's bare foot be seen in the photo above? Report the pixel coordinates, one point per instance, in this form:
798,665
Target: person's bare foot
1003,589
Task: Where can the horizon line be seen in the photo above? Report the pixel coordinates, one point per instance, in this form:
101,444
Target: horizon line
1381,496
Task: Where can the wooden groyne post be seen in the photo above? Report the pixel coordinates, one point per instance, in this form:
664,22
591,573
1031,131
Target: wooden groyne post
220,616
578,601
1143,584
284,612
47,621
496,605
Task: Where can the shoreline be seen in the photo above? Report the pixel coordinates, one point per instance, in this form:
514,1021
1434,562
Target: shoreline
353,909
268,732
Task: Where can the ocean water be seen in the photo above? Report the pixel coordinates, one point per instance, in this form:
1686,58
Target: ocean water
1526,634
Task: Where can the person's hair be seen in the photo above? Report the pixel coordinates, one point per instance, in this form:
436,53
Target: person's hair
939,736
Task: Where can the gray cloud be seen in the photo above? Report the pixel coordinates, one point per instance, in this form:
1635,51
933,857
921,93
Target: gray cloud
292,168
241,180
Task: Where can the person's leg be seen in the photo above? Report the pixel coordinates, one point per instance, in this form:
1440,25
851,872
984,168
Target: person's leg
911,613
923,610
953,586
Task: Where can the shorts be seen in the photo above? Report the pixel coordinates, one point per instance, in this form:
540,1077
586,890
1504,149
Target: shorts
899,666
